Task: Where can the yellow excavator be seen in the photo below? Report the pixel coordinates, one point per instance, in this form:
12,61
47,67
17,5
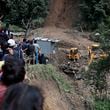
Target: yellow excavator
95,52
73,54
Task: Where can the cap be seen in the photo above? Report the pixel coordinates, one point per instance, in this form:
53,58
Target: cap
11,42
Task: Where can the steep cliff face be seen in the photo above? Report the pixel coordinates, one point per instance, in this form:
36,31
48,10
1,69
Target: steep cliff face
63,13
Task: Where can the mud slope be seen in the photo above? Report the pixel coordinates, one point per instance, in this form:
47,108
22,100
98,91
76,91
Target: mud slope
63,13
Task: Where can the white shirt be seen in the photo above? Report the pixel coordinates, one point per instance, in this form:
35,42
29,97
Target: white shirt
36,46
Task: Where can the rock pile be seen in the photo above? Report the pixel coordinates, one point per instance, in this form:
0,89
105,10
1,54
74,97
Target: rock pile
72,69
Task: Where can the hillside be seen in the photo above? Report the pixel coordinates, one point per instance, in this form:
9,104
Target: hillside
73,78
60,91
57,99
63,13
62,16
68,37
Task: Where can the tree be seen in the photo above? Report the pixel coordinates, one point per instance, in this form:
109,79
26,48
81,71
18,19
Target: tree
94,12
22,12
3,8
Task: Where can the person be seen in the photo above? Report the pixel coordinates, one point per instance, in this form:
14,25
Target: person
37,48
1,64
31,52
13,51
3,41
13,72
23,97
41,57
7,30
1,53
24,45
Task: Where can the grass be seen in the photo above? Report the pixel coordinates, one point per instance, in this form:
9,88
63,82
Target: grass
102,104
15,28
47,72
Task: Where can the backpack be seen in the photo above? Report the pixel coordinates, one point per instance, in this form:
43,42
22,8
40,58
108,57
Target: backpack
30,49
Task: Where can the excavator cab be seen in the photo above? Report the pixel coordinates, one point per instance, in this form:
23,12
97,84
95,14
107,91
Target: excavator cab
95,52
92,50
73,54
95,47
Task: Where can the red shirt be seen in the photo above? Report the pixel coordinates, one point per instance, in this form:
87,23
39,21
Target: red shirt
3,89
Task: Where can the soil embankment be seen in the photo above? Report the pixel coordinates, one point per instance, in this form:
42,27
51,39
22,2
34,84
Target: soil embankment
63,13
56,98
68,37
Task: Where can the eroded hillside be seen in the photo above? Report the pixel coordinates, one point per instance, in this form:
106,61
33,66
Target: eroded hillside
63,13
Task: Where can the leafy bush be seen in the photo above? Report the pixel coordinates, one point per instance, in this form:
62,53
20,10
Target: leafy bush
104,31
26,10
94,12
102,104
36,23
15,28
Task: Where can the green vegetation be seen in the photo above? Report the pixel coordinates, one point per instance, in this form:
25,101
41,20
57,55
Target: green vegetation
97,77
3,8
94,12
104,31
15,28
102,104
27,14
98,73
36,23
49,72
25,10
96,17
30,14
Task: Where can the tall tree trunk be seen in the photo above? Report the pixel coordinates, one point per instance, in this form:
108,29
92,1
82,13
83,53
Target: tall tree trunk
27,26
27,32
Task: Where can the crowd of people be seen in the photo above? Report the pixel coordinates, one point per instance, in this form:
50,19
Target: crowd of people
20,49
14,94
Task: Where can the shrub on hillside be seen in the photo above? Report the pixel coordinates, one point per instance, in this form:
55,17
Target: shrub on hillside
102,104
94,12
